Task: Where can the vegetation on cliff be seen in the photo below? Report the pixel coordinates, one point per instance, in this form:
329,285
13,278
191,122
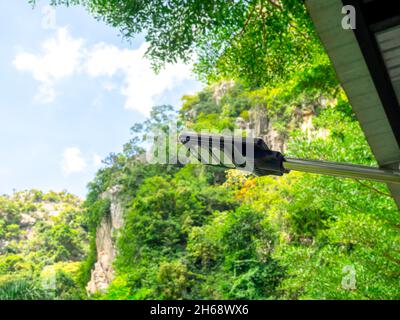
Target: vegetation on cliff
42,243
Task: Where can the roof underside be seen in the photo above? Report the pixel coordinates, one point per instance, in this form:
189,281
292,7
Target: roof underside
367,63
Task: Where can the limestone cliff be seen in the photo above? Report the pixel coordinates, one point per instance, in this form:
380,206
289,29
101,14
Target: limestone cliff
103,273
260,124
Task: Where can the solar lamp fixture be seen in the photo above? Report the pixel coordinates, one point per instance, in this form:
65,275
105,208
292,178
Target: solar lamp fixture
253,154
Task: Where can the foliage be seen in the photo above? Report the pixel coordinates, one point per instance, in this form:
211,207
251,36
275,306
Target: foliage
40,231
22,289
258,41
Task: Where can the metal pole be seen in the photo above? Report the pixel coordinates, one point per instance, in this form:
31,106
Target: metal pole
342,170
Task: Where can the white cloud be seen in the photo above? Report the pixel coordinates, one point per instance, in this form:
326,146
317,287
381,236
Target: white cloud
73,161
106,60
110,86
64,56
141,85
60,58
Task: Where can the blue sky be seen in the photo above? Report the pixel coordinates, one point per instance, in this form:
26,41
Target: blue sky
70,89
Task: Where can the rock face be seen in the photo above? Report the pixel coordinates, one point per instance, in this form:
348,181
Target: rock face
103,273
259,123
221,89
116,210
261,126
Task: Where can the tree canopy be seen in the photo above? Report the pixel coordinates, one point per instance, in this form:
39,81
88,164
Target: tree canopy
257,41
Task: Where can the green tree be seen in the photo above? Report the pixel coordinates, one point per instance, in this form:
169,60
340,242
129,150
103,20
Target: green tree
254,40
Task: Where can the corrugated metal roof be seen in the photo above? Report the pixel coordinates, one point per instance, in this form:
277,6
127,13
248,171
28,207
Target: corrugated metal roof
389,43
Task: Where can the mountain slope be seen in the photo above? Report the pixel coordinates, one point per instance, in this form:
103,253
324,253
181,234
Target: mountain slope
42,241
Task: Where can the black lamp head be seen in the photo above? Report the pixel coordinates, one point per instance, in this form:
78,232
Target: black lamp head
249,154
